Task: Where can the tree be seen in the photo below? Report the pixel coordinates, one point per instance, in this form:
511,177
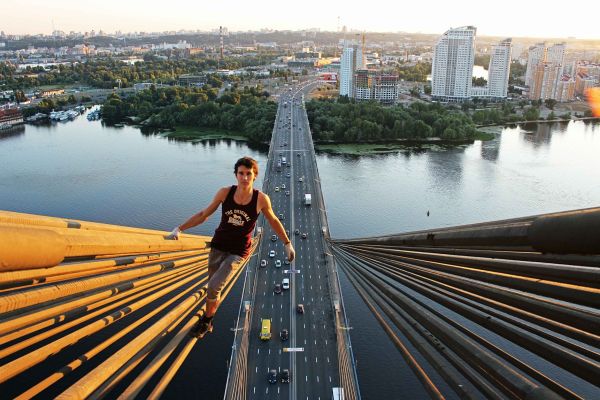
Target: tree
532,114
20,96
550,103
479,81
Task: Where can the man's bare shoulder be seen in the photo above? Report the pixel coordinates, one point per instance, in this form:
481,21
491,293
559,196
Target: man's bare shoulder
222,193
263,200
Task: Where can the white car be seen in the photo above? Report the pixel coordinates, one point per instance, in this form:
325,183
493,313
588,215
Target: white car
300,179
272,253
277,263
277,188
263,263
283,186
286,283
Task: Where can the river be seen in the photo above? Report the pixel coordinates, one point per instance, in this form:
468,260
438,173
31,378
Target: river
84,170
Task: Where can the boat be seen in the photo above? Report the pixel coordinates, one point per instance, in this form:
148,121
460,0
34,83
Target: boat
10,117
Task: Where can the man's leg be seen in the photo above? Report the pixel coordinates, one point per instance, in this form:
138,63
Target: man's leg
221,266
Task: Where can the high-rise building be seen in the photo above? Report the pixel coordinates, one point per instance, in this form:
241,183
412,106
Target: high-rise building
547,73
583,82
566,89
499,70
536,55
352,59
452,69
556,54
545,81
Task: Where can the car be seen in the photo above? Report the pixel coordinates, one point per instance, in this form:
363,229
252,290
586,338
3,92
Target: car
297,232
277,188
272,377
285,284
301,179
283,186
289,165
288,174
285,376
273,238
284,334
277,289
272,253
281,217
298,154
263,263
300,308
304,235
286,261
277,263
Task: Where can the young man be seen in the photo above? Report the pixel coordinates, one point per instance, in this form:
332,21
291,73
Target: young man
240,206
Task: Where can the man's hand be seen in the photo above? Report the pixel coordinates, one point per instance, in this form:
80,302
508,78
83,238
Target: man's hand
174,235
289,252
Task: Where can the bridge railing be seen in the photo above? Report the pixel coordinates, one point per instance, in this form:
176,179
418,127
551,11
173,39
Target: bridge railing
87,307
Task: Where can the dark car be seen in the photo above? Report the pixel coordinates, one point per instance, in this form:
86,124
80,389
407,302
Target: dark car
304,235
284,334
273,238
277,289
285,376
272,376
297,232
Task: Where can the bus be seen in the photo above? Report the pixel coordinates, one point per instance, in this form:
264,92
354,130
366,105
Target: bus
265,331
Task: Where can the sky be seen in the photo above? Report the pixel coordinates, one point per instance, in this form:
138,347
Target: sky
507,18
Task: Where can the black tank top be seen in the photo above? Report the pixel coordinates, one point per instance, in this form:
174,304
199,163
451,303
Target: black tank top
237,223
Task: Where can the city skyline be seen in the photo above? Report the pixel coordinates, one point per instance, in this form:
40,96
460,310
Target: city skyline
513,19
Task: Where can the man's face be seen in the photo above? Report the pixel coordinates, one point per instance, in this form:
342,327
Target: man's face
245,176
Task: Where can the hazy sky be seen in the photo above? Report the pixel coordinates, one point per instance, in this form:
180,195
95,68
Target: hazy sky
534,18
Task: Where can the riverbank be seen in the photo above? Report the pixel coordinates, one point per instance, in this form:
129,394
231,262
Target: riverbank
193,134
408,145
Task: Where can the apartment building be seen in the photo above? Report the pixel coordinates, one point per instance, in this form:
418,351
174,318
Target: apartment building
376,85
499,70
452,68
352,60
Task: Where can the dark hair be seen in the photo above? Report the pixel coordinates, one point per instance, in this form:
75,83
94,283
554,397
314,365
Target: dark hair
247,162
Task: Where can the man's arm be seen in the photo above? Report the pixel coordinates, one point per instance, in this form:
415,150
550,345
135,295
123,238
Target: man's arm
267,210
202,215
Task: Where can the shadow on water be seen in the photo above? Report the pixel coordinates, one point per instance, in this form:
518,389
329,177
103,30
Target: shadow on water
208,142
12,133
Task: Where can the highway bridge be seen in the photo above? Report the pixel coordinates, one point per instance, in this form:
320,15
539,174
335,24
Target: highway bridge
502,309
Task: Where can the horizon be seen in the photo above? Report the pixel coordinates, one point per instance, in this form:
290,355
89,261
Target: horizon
40,17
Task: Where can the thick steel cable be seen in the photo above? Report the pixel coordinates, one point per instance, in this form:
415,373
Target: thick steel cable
563,391
107,305
56,312
19,365
484,361
78,362
176,364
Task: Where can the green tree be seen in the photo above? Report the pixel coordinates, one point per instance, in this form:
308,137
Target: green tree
550,103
